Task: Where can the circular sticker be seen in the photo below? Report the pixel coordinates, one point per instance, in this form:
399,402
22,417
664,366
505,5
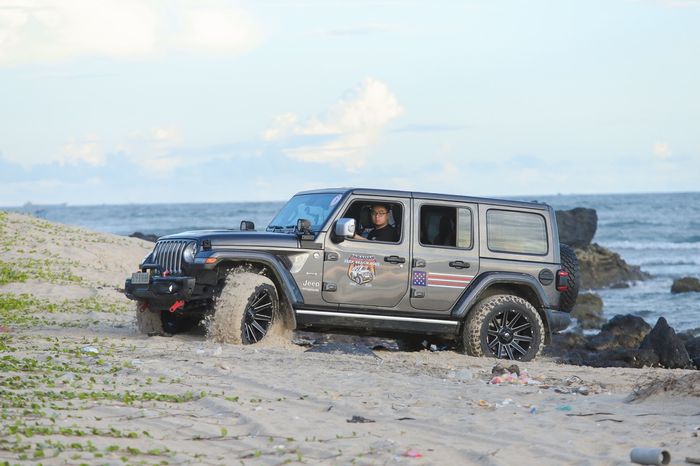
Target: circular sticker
335,200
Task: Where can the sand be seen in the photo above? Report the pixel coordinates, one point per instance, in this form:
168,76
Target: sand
79,384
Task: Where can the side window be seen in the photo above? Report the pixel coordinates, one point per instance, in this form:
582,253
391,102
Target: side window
377,221
516,232
446,226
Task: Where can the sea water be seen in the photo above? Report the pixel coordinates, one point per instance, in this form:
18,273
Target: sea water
658,232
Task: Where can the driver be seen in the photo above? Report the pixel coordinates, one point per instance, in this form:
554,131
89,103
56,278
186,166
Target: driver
382,231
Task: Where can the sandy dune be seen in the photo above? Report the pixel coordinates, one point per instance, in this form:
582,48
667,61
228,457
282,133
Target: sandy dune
79,385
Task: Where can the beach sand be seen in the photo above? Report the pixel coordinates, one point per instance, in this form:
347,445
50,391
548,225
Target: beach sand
80,385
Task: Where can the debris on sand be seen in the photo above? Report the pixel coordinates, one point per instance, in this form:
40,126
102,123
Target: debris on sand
687,385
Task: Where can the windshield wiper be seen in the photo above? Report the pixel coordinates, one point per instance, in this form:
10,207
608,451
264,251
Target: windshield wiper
275,227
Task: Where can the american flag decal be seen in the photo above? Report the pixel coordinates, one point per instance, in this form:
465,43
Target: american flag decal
442,280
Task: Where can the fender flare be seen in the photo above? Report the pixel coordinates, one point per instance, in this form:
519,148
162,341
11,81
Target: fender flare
284,278
473,294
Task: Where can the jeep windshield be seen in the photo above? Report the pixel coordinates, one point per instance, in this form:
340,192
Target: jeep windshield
316,208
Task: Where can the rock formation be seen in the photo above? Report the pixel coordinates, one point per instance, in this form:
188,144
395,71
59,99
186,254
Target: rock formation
685,285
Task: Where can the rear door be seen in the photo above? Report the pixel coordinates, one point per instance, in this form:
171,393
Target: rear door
445,255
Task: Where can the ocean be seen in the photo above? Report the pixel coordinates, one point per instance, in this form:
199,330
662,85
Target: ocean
658,232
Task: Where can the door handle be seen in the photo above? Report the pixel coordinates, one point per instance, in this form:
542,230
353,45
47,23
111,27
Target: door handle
459,264
395,259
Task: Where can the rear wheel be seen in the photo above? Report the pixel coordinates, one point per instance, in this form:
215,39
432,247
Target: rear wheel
245,310
504,326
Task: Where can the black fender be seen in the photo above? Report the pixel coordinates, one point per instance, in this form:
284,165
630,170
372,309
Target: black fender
486,280
283,277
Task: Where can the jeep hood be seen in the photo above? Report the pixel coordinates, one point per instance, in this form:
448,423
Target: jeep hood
235,238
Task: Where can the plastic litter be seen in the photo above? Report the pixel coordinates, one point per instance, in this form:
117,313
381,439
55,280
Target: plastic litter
413,454
564,408
463,374
533,410
650,456
511,375
90,350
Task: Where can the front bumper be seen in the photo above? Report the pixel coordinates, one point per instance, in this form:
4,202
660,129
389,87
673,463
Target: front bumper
161,288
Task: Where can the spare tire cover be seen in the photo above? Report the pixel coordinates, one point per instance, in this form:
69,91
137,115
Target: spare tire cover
569,262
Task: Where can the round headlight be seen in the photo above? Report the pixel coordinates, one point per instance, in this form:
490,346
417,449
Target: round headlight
189,252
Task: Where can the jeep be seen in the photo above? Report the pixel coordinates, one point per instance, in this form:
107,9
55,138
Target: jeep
487,274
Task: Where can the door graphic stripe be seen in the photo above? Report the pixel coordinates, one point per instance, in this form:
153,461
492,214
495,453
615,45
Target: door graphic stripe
442,280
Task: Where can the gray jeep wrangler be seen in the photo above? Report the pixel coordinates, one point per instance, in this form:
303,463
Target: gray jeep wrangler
488,274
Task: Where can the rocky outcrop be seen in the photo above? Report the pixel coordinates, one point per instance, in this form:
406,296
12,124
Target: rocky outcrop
144,236
577,226
628,341
692,346
685,285
665,343
602,268
588,311
622,331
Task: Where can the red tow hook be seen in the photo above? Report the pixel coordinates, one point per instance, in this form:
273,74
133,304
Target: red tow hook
179,304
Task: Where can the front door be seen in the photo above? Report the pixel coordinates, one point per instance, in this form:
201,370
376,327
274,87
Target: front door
366,272
445,256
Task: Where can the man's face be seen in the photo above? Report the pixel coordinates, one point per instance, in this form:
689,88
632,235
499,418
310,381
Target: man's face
380,216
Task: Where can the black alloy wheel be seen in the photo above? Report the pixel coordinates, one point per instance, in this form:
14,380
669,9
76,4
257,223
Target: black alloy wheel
258,315
509,334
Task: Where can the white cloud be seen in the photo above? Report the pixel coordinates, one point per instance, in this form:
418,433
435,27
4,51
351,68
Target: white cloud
353,124
662,150
217,29
152,150
46,31
86,151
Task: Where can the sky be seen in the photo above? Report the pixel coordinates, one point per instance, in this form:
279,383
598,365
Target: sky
138,101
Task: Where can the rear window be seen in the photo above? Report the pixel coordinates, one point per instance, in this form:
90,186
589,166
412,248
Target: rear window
516,232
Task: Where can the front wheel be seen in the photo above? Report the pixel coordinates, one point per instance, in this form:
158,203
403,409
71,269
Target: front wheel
246,309
504,326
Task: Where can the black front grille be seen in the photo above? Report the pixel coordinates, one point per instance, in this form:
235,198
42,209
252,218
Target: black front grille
168,254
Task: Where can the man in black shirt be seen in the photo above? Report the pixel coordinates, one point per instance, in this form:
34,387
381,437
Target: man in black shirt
382,230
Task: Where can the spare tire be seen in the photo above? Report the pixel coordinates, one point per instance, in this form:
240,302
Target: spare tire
569,263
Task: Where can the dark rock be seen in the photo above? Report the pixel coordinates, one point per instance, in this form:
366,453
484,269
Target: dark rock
147,236
621,357
601,267
564,342
692,346
685,285
588,311
620,285
626,331
577,226
629,357
666,344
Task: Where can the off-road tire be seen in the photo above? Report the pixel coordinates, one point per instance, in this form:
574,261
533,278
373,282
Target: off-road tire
520,338
569,262
147,321
245,310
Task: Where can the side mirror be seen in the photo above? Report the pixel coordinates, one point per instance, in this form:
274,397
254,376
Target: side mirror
247,225
345,228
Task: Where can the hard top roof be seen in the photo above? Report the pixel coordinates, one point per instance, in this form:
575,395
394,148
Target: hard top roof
433,196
